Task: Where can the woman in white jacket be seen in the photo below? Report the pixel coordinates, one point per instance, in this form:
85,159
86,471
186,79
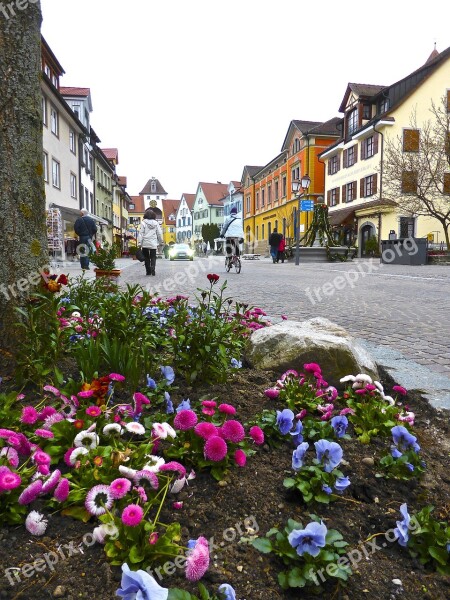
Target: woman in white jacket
149,238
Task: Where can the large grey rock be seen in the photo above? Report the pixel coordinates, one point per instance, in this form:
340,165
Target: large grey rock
291,344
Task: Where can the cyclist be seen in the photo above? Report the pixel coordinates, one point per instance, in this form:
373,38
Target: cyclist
233,232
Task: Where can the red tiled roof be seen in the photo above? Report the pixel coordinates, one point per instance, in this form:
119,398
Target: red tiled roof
170,207
190,200
75,91
122,180
111,153
214,192
139,206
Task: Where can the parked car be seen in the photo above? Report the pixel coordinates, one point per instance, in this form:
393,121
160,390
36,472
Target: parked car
181,252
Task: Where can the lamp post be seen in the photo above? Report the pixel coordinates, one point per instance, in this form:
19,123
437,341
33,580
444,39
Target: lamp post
303,184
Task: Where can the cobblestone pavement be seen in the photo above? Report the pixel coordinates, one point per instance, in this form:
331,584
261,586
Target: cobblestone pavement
398,311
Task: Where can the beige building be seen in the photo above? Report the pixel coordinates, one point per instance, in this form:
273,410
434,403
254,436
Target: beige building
362,201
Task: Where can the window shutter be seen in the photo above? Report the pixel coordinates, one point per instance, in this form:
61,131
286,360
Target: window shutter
338,163
363,149
337,195
356,153
448,100
411,139
361,187
329,167
344,159
446,183
344,193
329,198
375,143
375,181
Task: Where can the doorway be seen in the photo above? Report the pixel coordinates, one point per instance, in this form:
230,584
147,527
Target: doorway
367,231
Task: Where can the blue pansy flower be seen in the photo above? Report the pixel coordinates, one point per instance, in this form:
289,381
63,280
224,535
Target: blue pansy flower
341,484
326,489
329,454
296,433
151,383
309,540
139,585
285,420
298,455
403,439
395,452
339,424
184,405
169,404
401,531
236,364
227,591
168,373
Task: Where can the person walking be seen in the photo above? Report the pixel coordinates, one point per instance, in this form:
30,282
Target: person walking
233,232
149,238
85,228
274,241
281,249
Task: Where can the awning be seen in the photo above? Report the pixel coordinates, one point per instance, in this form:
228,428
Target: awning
72,214
339,216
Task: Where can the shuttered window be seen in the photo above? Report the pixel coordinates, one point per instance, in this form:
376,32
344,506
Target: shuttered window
411,139
409,182
446,189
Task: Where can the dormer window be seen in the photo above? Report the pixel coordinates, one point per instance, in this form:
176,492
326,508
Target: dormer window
153,186
352,121
171,217
367,112
384,105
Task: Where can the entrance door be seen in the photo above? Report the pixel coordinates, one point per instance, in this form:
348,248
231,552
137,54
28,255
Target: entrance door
366,232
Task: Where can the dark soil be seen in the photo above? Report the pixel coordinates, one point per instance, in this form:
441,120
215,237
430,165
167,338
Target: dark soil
254,497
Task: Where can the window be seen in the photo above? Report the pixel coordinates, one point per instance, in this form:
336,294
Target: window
350,156
446,189
283,184
368,186
369,147
277,191
47,71
257,200
269,194
349,192
54,121
384,105
263,197
352,121
333,197
44,111
55,80
262,231
257,232
56,174
77,110
247,204
45,166
295,174
411,139
367,112
73,185
409,182
219,212
406,227
73,141
333,165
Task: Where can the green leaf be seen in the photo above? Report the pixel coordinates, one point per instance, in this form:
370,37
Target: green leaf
295,578
77,512
177,594
439,554
263,545
136,555
289,482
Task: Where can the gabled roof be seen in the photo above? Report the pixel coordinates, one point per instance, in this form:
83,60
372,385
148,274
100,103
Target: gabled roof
111,154
170,207
250,171
316,128
122,180
363,90
158,188
50,55
139,206
75,91
214,192
190,200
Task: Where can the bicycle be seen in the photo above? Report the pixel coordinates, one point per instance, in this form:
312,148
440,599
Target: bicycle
233,261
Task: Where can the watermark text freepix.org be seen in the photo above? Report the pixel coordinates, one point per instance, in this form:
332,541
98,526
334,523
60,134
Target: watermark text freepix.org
8,9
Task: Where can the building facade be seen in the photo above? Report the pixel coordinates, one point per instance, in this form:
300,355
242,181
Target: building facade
208,207
184,218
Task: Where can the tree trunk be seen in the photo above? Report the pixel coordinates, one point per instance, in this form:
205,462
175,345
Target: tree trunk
23,248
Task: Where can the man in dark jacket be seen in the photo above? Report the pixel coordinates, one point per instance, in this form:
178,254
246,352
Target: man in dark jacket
274,241
85,228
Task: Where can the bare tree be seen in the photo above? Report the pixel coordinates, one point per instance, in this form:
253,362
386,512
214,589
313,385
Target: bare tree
416,170
286,215
23,250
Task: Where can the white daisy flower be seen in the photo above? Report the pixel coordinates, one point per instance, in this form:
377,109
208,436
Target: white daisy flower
98,500
75,454
36,523
379,387
134,427
127,472
389,399
162,430
86,439
112,429
347,378
154,463
103,531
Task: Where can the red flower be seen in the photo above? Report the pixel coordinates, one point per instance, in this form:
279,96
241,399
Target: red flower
62,279
212,277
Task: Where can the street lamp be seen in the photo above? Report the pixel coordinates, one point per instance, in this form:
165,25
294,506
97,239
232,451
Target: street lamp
303,184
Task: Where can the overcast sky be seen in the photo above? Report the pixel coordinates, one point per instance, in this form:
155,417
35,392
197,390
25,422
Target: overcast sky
193,91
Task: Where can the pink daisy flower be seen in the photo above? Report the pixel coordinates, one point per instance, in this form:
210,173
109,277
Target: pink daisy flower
257,435
41,458
119,487
98,500
209,403
52,481
312,368
67,457
185,419
227,409
197,561
52,390
153,538
147,475
9,480
141,492
399,389
62,490
116,377
31,492
215,448
205,430
132,515
174,466
29,415
12,456
240,458
44,433
272,393
46,412
232,431
36,523
178,505
94,411
85,394
50,420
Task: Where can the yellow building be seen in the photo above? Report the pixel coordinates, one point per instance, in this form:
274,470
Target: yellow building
169,224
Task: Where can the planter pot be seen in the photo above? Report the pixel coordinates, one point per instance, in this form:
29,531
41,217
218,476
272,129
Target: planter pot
114,274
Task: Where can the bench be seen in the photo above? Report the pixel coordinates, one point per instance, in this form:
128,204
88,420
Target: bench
251,256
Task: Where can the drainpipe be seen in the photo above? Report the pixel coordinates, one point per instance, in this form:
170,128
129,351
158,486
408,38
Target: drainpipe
381,182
